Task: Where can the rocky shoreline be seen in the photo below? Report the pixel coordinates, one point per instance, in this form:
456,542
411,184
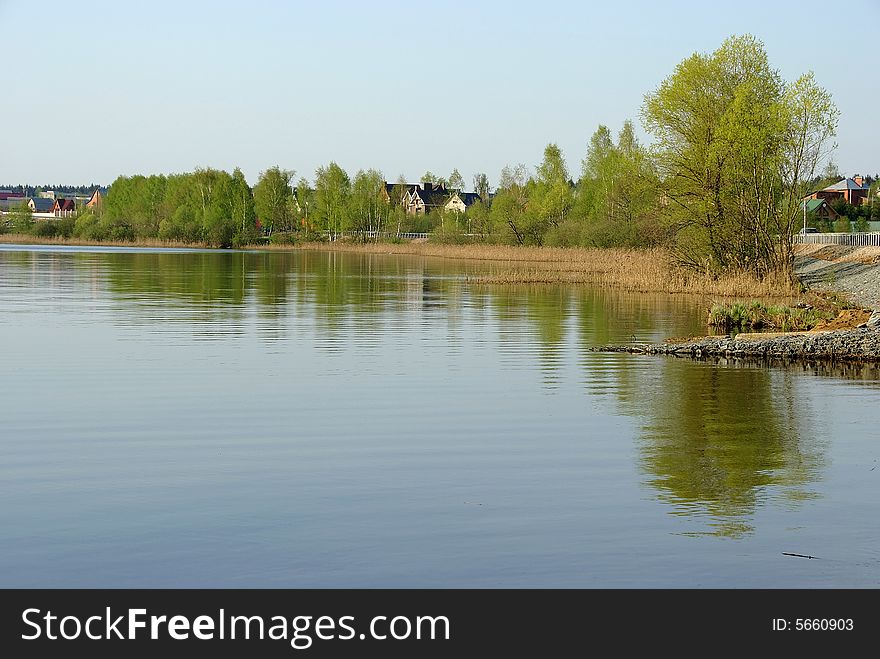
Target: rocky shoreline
862,344
853,272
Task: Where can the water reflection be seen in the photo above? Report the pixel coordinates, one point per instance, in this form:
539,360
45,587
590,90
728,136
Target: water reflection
716,442
717,439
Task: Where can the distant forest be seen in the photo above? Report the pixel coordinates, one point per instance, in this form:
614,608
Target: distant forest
33,190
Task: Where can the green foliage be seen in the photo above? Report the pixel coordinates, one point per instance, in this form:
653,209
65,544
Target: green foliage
737,147
64,227
842,225
44,229
207,205
368,211
450,233
477,219
332,199
618,194
20,219
274,201
757,316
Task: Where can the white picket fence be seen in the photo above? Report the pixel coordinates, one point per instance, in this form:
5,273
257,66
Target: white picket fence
851,239
382,235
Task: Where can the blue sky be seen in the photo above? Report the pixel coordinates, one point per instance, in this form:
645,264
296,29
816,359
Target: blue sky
98,89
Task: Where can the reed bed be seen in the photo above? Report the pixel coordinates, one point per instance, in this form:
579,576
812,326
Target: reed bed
638,270
28,239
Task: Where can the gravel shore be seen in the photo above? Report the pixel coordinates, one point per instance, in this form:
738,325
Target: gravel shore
853,271
862,344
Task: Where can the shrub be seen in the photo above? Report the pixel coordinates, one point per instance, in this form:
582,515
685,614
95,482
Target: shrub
757,316
45,229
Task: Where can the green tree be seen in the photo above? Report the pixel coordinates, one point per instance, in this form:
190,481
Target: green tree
273,199
243,213
618,192
215,200
398,199
20,219
551,198
737,147
368,209
332,198
509,207
304,200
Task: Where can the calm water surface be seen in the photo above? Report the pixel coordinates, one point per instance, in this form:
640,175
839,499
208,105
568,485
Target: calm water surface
336,420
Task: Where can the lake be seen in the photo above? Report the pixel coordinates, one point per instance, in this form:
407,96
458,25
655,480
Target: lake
307,419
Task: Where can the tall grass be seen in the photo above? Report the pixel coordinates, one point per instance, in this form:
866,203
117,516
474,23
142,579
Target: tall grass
758,316
639,270
30,239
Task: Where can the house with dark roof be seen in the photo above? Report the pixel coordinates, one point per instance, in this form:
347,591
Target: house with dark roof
459,202
390,191
64,208
41,205
852,190
426,198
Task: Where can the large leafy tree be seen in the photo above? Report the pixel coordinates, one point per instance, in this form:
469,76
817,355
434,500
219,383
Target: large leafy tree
273,199
736,147
332,198
509,208
368,209
552,196
618,191
243,213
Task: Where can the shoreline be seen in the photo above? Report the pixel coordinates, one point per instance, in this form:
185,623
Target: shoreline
636,270
647,271
861,344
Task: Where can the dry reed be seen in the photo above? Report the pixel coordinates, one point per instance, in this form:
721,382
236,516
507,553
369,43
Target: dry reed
27,239
639,270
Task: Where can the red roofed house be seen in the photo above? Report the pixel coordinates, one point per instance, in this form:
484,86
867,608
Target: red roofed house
64,208
852,190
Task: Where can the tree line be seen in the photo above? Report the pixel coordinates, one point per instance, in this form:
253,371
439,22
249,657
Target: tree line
734,149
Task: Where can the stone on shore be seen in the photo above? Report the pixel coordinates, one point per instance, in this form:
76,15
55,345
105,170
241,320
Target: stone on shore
862,344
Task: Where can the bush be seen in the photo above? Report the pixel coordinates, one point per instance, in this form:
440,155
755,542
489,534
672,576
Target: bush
283,238
757,316
843,225
45,229
449,234
20,221
569,233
